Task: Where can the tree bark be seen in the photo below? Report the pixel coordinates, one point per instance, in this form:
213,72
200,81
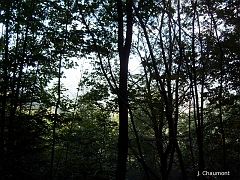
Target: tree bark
124,52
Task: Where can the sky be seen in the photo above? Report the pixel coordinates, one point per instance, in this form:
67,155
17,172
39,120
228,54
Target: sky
74,75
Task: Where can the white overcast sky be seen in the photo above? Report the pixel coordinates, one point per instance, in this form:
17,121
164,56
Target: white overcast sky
73,76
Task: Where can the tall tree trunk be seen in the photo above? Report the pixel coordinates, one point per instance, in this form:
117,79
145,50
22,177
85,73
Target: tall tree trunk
55,119
221,61
56,116
194,86
124,52
124,46
4,93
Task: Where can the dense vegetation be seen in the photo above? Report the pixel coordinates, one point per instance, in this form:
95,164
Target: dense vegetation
174,117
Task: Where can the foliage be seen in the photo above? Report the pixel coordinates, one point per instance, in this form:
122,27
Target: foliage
180,109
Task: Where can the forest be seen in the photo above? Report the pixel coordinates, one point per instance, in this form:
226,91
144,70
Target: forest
177,117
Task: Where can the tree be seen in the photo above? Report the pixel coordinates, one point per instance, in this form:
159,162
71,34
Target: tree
124,52
177,114
28,65
124,46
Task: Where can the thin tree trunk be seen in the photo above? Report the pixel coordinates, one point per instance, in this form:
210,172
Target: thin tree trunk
178,150
55,119
189,134
220,94
4,95
167,98
199,127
